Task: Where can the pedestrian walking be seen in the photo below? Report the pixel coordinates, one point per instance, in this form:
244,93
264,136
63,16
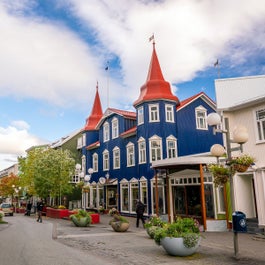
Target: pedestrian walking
28,209
140,208
40,206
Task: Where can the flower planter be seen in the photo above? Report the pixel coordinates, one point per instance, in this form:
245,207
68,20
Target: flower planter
175,247
151,231
57,213
120,226
240,168
80,222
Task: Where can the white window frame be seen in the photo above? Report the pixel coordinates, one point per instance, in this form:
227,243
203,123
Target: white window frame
153,112
144,191
84,139
158,151
134,185
259,125
140,114
116,157
95,162
169,110
201,118
105,160
170,150
124,186
106,132
115,128
142,150
130,154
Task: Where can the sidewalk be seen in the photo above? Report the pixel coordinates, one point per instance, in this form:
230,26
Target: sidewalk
135,247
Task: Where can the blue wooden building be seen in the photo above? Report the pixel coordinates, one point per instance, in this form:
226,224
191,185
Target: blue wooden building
120,146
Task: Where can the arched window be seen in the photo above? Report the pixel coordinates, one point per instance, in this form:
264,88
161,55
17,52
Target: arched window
116,157
106,160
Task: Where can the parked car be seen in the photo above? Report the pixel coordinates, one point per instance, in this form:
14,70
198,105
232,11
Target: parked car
7,208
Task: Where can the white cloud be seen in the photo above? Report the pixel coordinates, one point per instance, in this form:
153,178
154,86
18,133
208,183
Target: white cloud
15,140
47,60
20,125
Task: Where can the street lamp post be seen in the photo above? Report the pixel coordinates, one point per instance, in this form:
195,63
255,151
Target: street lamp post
240,136
86,183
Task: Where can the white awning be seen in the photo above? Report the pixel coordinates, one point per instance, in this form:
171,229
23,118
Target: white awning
184,160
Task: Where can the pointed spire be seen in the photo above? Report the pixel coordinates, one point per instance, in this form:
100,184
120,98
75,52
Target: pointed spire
96,113
155,86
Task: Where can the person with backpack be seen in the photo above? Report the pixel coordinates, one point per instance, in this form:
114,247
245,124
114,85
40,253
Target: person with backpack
140,208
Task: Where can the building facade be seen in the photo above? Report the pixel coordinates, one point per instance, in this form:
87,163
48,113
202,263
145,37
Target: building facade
120,146
242,101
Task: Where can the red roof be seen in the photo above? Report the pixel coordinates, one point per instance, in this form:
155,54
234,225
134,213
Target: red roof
155,86
187,101
93,145
129,132
126,114
96,114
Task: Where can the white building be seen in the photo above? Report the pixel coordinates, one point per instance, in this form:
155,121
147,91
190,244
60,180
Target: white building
242,100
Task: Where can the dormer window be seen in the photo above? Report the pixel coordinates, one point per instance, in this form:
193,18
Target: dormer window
106,132
115,128
201,115
140,115
153,113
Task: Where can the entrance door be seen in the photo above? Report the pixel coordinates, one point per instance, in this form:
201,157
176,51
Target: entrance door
187,201
111,197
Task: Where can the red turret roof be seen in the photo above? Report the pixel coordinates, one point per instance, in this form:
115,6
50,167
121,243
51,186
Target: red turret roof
96,114
155,86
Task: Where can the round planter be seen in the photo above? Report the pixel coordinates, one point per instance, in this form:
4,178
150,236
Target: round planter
82,222
151,231
120,226
175,247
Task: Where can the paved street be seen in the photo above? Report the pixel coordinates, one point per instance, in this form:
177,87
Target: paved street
26,242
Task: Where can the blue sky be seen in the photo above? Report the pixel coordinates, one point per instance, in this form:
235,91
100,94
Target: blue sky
53,53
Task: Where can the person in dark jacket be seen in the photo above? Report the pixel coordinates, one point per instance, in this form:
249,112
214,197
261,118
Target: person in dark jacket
140,208
40,206
28,210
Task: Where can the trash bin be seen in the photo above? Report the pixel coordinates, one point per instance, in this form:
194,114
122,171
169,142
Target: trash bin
239,222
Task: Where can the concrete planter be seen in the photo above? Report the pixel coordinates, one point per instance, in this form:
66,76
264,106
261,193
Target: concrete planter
175,247
120,226
81,222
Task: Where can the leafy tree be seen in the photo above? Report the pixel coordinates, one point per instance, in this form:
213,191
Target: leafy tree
6,185
46,172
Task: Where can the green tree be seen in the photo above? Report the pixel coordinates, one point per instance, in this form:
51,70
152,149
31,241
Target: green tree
46,172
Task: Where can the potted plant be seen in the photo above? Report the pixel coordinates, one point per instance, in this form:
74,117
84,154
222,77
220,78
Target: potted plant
220,173
152,224
81,218
118,223
242,163
180,238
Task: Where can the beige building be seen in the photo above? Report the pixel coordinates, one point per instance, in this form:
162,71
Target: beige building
242,100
